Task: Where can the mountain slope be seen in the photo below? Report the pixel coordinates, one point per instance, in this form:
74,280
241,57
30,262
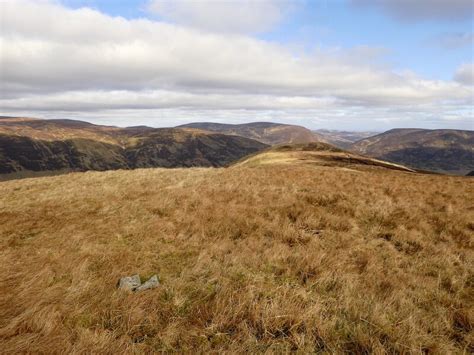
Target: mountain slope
441,150
265,132
19,153
172,147
63,145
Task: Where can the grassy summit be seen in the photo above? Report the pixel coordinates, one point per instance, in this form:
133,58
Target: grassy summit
282,256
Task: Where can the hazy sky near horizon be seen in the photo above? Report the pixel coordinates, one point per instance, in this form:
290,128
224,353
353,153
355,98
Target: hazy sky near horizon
339,64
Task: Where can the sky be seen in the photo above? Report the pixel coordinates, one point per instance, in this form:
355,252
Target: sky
337,64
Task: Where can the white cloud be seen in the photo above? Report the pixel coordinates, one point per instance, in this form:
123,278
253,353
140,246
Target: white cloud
85,61
465,74
421,10
243,16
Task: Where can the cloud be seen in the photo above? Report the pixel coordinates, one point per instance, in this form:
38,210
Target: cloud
453,40
422,10
245,16
465,74
83,61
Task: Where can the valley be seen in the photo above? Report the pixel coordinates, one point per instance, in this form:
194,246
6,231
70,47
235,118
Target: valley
343,139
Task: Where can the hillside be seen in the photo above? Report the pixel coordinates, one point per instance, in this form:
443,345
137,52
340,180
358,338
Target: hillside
316,154
343,139
265,132
440,150
287,256
33,145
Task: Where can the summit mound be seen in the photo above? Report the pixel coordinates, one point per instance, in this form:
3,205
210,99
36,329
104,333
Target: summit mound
317,153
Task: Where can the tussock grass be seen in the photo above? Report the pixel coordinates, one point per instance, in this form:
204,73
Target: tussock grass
271,258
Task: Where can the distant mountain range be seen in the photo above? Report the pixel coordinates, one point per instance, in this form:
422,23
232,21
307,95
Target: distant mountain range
265,132
438,150
35,145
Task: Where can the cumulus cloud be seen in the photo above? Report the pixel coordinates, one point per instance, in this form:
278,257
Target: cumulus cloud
465,74
83,61
420,10
245,16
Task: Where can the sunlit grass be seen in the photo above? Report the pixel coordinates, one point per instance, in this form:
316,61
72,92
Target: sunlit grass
275,257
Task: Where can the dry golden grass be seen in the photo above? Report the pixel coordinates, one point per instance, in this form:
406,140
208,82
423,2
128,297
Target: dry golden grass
273,156
271,258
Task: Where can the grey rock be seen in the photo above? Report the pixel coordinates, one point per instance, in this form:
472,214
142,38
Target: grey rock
129,283
151,283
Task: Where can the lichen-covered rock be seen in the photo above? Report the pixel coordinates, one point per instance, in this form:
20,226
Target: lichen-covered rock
129,283
151,283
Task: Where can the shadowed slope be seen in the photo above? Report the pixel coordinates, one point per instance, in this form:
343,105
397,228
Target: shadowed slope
171,147
19,153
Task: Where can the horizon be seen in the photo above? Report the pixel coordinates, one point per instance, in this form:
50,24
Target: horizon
346,65
241,123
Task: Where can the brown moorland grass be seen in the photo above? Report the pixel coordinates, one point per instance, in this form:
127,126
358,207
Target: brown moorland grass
271,258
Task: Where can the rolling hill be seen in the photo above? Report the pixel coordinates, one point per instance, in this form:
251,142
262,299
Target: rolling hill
316,154
440,150
265,132
297,249
34,145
